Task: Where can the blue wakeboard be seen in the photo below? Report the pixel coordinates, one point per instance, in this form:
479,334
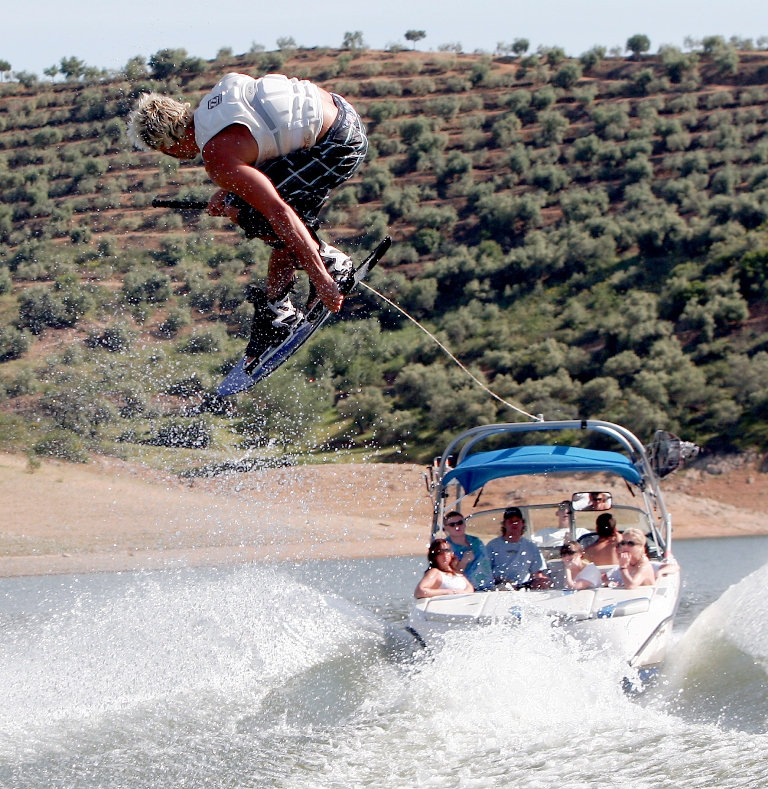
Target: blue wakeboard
239,379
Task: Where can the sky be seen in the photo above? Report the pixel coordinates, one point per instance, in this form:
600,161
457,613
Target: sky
104,33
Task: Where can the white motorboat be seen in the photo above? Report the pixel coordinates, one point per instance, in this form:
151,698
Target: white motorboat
634,623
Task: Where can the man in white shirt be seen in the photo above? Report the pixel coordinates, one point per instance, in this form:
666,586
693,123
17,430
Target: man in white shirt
516,560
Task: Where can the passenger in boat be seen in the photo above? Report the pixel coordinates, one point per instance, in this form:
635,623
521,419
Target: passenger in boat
668,566
604,550
443,576
579,574
598,501
514,559
469,550
635,568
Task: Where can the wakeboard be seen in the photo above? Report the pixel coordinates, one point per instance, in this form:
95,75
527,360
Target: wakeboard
240,378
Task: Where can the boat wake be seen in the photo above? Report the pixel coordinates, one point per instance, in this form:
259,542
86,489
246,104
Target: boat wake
250,678
718,671
176,638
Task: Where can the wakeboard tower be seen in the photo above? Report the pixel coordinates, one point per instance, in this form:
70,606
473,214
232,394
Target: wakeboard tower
244,375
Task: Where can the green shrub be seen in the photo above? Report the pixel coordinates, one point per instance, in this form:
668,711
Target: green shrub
363,408
375,227
518,102
6,281
59,307
189,386
567,75
63,445
80,235
677,64
13,343
383,87
379,111
285,411
116,338
518,160
421,86
505,217
437,217
77,410
753,274
177,319
167,62
201,292
611,122
549,177
578,205
553,127
183,433
453,168
543,99
152,287
426,241
585,149
725,180
376,178
204,341
400,202
506,130
444,106
456,84
592,57
638,169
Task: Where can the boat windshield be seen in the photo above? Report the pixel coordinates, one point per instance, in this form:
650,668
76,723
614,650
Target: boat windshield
546,530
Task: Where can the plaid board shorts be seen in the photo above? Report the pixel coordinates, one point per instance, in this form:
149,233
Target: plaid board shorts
305,178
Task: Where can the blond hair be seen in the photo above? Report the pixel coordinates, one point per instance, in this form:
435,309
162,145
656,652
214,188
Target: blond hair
158,120
634,534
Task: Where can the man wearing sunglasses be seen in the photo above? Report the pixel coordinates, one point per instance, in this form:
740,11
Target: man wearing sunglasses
516,560
469,550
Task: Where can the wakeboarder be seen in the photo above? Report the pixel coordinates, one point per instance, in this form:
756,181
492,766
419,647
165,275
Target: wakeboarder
276,147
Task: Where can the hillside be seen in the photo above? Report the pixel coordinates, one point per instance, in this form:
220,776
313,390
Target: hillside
589,234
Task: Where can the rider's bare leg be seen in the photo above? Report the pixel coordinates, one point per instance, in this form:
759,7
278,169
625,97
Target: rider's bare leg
282,264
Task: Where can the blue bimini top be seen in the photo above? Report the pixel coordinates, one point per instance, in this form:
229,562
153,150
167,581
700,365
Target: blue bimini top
476,470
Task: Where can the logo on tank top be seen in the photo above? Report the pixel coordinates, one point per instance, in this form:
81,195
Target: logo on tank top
214,102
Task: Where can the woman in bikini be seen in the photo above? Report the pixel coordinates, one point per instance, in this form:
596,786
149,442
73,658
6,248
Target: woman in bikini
442,577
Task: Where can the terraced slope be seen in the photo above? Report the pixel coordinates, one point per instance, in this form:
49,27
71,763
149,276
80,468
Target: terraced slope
589,235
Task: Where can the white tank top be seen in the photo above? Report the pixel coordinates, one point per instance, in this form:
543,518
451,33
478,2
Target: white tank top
451,581
282,114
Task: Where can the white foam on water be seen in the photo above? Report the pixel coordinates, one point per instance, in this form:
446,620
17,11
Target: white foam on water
253,679
718,670
167,638
524,707
740,615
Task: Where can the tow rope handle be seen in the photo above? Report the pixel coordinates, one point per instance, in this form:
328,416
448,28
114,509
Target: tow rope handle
181,205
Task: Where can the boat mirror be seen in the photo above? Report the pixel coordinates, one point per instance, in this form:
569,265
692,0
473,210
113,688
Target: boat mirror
591,501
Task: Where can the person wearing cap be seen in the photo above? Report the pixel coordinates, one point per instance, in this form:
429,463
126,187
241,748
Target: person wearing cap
515,559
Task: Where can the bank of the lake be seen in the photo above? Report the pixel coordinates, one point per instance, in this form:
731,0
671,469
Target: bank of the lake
109,515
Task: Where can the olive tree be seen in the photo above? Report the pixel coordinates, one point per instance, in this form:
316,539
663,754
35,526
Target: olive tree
415,35
638,44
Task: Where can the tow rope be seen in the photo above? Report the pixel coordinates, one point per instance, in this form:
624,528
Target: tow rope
539,418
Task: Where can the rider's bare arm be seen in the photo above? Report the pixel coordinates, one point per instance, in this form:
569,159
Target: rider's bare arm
227,158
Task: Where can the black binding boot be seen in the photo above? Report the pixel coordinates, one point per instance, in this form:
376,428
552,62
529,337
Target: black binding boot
272,322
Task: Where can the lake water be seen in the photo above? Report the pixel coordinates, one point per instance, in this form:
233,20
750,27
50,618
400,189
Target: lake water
298,676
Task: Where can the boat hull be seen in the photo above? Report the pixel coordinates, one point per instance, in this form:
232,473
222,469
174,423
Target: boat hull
635,624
